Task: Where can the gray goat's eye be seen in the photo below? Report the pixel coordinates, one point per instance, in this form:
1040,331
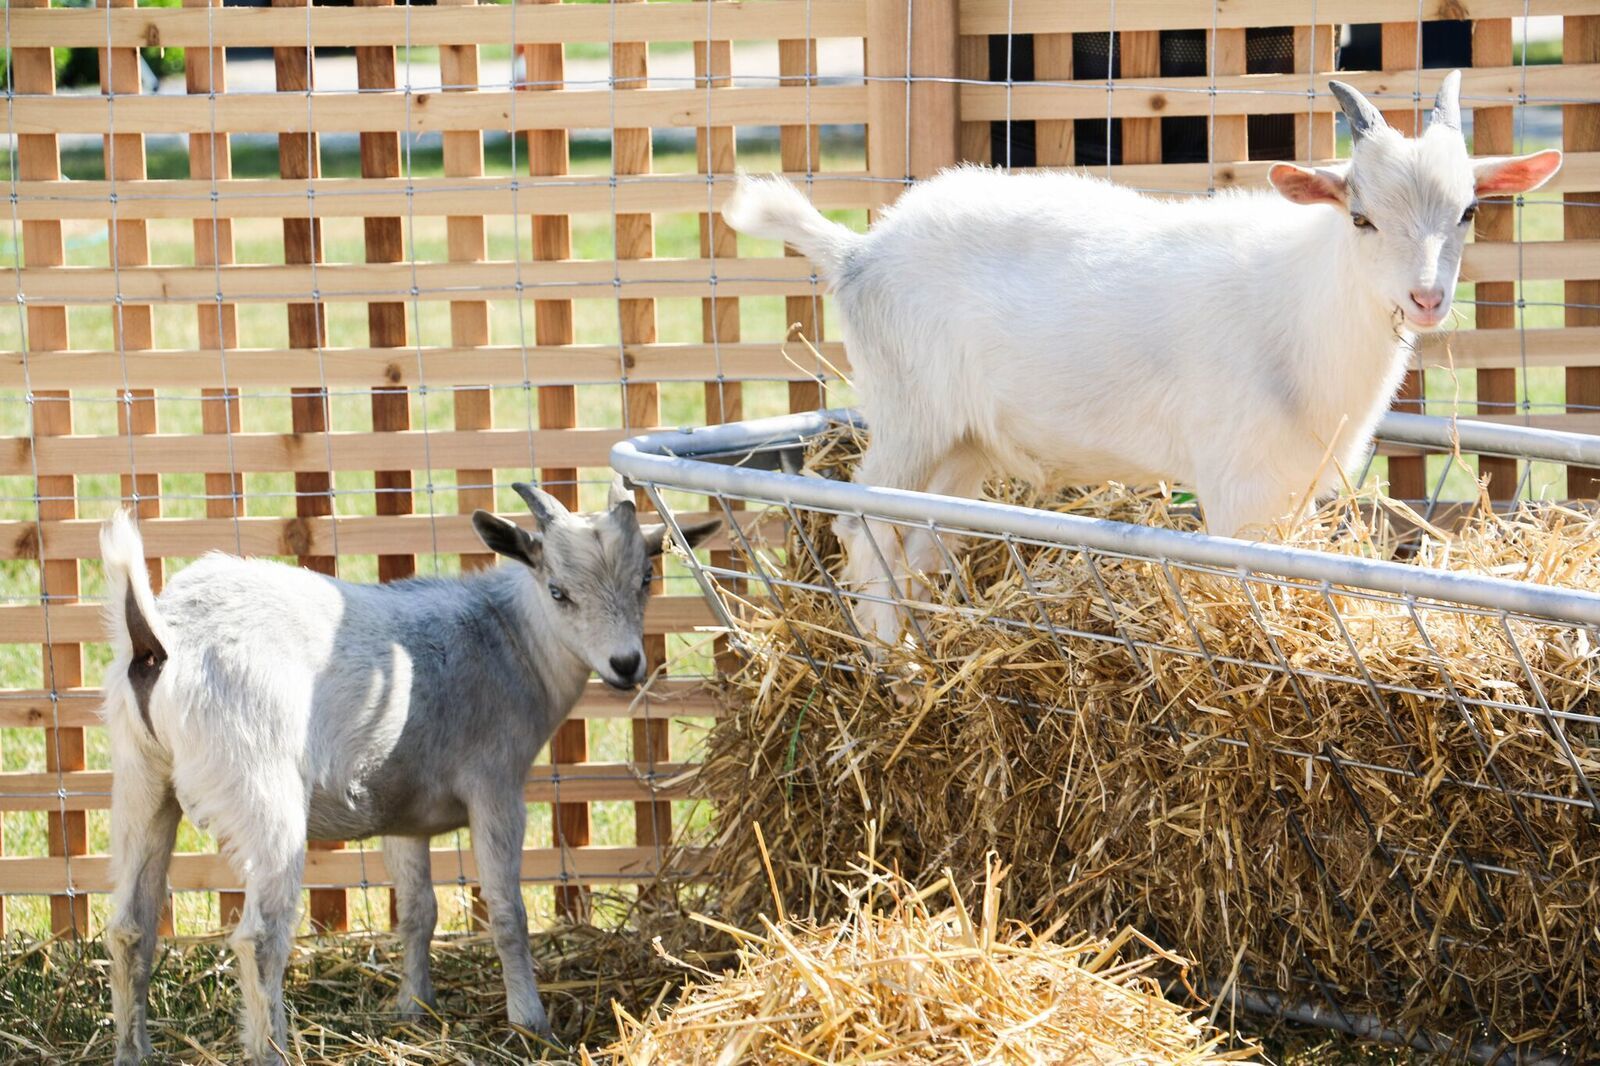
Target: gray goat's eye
558,593
1362,222
649,575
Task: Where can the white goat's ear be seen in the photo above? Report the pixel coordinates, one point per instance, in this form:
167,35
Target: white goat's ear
1299,185
545,507
1509,175
504,537
655,537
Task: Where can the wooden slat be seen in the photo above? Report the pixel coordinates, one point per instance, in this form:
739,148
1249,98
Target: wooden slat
1401,52
1141,61
1228,55
310,453
1265,94
666,697
558,404
210,165
350,869
800,148
977,140
299,158
1052,16
356,198
635,239
716,152
1314,52
90,790
343,27
1054,139
1495,310
358,282
422,197
38,159
351,197
268,368
258,535
386,319
1580,132
574,279
77,623
486,110
132,325
465,235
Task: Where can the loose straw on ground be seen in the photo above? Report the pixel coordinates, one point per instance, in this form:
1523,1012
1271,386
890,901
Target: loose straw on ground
899,980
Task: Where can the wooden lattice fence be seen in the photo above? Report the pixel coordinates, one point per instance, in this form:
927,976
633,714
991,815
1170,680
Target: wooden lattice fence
321,305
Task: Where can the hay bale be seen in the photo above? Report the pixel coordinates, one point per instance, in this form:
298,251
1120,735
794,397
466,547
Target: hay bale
1284,827
897,981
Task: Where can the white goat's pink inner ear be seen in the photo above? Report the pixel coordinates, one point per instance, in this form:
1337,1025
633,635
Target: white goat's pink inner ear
1301,186
1523,173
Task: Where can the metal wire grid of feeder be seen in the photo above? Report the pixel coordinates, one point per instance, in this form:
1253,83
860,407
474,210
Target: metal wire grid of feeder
1078,591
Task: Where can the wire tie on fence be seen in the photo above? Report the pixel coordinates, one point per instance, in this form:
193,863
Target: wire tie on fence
517,286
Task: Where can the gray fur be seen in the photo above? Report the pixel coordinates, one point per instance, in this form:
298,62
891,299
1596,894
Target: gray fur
293,705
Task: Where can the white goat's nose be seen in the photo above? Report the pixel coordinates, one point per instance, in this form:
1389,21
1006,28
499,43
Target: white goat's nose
1427,299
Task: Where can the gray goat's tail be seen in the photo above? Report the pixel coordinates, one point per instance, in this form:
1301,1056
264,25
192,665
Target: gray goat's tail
774,208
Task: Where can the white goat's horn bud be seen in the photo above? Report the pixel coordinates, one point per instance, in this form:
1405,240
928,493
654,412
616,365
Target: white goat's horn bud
1364,118
1447,105
618,494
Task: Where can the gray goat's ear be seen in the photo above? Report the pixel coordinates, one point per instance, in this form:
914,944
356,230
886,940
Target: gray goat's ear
1364,118
545,507
618,495
1447,104
504,537
655,537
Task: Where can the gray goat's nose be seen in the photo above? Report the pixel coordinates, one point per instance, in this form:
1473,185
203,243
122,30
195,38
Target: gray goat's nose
625,666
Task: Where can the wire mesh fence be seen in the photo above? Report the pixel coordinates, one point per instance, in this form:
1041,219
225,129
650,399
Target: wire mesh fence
343,273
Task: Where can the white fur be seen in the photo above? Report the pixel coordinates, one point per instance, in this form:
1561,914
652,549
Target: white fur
1061,328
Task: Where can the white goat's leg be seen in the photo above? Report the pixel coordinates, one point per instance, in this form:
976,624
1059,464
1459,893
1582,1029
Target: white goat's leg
408,862
961,473
876,563
144,824
1246,507
265,933
497,818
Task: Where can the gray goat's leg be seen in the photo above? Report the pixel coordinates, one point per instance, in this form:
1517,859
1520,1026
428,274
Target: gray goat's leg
262,941
409,867
144,824
497,818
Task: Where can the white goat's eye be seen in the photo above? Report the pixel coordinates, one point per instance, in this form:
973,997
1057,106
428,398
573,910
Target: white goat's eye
1469,214
1362,222
558,593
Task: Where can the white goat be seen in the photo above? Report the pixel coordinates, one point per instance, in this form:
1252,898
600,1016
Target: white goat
1060,328
272,704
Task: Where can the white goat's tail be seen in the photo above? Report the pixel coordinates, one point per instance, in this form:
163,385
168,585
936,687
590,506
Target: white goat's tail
774,208
133,625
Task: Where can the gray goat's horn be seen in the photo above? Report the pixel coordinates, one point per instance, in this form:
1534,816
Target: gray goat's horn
618,494
1447,105
1364,118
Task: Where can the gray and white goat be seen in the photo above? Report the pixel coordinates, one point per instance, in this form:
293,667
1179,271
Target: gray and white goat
272,704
